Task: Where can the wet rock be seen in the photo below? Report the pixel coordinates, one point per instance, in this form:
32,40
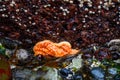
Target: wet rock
49,73
9,53
114,48
98,73
117,61
102,54
117,77
112,71
2,49
77,76
115,55
65,72
23,56
88,62
5,72
95,64
76,62
24,74
86,56
114,42
9,43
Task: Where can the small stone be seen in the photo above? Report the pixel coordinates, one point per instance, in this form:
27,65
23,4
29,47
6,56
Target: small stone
112,71
22,54
98,73
117,77
22,74
114,42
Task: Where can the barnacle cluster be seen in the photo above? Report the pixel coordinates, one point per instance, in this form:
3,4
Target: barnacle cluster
49,48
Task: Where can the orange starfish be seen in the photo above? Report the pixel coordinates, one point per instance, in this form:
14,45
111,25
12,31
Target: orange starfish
49,48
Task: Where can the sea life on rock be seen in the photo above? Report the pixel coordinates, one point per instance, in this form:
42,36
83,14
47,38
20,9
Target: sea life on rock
50,74
66,73
112,71
76,62
49,48
117,77
21,57
24,74
10,43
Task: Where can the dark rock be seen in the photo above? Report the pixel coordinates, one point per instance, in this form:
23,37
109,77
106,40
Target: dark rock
65,72
117,77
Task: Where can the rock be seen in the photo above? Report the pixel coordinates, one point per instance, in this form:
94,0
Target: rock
114,42
112,71
9,43
78,76
65,72
23,56
76,62
21,74
117,77
98,73
115,55
24,74
50,74
5,72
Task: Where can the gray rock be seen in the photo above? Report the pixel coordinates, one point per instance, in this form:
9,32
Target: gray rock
114,42
22,54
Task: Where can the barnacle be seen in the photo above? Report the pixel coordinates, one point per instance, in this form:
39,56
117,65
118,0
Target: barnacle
49,48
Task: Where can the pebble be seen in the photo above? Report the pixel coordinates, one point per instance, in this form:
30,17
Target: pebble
112,71
21,74
65,72
114,42
117,77
22,54
98,73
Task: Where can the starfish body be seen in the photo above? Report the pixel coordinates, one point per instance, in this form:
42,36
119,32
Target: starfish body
49,48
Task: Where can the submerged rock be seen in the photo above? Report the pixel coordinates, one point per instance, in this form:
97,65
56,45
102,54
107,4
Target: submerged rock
98,73
112,71
5,72
117,77
49,73
24,74
23,56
